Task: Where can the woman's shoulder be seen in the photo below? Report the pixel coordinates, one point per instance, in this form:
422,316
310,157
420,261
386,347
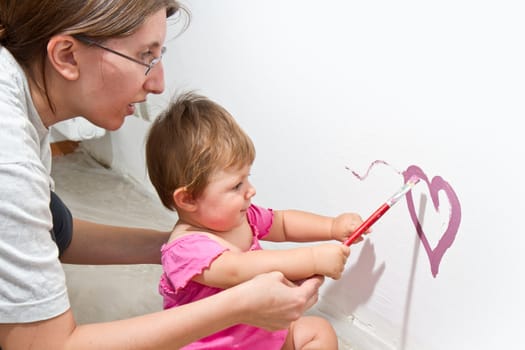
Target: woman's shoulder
11,73
22,133
16,105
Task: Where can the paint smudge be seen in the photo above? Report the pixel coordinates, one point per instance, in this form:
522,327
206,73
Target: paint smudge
436,185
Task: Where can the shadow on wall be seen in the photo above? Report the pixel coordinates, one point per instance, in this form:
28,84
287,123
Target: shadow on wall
363,273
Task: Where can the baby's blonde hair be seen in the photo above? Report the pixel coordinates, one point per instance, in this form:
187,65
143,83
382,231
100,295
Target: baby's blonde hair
192,139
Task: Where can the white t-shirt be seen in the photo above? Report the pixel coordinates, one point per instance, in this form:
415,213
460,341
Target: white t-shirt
32,281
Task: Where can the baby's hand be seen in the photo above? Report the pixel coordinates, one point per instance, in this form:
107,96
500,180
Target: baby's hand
329,259
344,225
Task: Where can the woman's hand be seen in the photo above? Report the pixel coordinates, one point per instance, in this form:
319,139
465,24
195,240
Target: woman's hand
273,302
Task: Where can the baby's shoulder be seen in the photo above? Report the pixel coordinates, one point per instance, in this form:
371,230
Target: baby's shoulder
187,232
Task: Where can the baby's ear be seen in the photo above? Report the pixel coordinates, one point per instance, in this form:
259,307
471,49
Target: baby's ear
184,200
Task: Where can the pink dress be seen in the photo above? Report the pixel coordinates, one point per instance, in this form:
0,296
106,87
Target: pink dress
189,255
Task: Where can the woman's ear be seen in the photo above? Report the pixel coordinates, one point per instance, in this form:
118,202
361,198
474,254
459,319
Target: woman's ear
61,52
184,200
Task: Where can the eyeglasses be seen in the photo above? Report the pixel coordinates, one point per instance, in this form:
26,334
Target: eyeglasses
148,66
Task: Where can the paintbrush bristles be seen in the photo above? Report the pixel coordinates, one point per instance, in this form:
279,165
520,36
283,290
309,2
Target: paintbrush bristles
414,179
404,190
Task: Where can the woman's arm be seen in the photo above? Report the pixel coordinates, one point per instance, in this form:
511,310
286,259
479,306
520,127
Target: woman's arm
268,301
95,244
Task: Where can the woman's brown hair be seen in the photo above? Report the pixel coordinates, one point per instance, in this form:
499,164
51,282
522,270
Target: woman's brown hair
27,26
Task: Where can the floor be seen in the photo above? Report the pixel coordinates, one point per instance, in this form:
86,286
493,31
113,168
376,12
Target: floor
92,192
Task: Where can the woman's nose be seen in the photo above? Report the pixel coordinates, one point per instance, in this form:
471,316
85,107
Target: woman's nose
155,79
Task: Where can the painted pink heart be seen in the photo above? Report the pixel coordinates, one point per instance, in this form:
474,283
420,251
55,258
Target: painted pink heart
435,186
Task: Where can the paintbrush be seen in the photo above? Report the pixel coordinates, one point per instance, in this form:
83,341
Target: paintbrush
382,209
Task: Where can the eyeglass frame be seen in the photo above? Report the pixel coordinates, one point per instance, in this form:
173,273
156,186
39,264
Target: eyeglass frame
149,66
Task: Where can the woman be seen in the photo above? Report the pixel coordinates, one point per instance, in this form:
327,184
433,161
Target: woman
95,58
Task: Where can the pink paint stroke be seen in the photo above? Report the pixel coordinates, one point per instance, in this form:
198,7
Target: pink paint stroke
374,163
435,186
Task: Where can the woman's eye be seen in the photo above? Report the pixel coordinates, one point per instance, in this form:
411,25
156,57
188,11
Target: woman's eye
147,56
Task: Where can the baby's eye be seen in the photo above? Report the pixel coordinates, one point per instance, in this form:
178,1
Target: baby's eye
238,186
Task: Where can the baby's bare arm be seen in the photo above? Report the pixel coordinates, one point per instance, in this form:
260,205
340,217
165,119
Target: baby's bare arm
301,226
232,268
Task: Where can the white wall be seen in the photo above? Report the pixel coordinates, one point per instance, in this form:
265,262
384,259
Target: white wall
325,85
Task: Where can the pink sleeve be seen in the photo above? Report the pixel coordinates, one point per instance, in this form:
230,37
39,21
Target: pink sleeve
260,220
188,256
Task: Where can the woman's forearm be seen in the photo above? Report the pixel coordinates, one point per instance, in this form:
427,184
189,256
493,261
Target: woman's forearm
168,329
96,244
268,301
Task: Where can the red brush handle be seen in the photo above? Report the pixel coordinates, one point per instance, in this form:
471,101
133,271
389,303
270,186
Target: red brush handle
367,223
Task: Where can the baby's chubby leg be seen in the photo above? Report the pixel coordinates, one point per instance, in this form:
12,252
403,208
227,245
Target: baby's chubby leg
311,333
